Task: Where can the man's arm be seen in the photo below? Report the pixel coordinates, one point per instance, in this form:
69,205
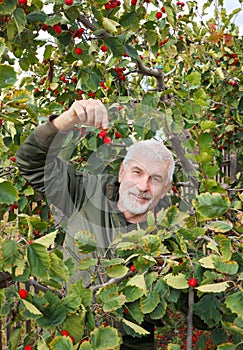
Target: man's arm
37,157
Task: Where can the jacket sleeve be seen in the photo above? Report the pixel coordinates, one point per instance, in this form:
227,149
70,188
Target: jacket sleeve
39,164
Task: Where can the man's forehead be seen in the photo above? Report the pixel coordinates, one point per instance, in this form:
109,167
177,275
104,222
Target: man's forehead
153,167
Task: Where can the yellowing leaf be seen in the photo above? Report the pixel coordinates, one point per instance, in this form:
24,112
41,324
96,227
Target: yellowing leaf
31,308
214,288
176,281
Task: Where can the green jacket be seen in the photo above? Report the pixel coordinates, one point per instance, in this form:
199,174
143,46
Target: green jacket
88,201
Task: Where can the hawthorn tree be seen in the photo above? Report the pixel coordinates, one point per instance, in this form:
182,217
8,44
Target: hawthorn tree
162,71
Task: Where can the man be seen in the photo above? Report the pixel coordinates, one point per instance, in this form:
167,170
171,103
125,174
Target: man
102,204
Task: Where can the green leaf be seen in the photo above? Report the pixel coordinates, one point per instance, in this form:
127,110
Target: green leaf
116,271
213,288
226,267
132,293
74,324
7,78
132,52
31,308
20,19
104,338
114,302
14,339
58,270
194,79
36,16
10,254
85,241
220,226
127,18
61,343
47,240
115,45
8,193
134,327
235,303
207,124
82,294
207,308
110,25
53,309
87,263
150,302
176,281
38,259
138,281
159,311
7,7
211,205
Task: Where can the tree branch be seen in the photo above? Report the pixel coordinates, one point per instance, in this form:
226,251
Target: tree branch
111,281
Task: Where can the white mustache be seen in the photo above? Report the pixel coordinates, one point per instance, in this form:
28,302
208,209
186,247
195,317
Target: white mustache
139,194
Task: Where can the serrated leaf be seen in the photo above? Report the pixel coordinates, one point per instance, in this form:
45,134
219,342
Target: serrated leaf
8,193
115,45
9,252
211,205
85,242
14,339
139,282
226,267
48,239
207,262
38,259
82,294
58,270
61,343
213,288
207,308
132,293
87,263
235,303
104,338
176,281
31,308
137,329
132,52
36,16
150,302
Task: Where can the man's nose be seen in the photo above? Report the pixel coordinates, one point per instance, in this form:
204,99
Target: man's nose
143,184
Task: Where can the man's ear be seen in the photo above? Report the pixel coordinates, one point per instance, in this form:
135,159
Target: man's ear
165,190
120,172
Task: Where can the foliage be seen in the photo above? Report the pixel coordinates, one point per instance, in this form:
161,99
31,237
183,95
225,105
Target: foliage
176,74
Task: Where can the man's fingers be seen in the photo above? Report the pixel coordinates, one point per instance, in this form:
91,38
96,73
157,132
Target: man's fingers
91,112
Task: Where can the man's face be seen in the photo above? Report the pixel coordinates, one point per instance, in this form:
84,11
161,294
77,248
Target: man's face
142,185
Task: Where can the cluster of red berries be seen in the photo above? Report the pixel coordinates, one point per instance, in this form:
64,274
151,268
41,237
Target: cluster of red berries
159,14
57,29
112,4
161,43
180,3
120,71
103,135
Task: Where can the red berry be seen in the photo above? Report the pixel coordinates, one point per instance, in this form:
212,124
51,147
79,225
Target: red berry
79,32
13,159
107,140
125,311
134,2
28,347
104,48
1,122
65,333
192,282
158,15
107,6
78,51
68,2
133,268
118,135
163,9
22,2
102,134
57,29
23,293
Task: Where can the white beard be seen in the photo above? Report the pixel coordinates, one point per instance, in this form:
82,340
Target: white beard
131,204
